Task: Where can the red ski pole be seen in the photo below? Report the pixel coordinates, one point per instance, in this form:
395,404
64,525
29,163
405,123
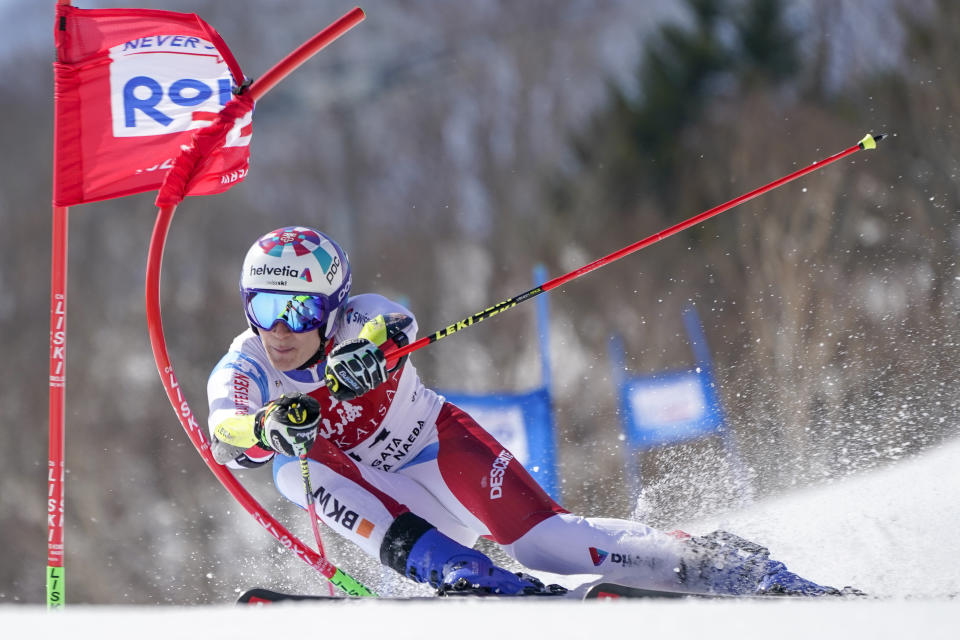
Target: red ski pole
312,509
868,142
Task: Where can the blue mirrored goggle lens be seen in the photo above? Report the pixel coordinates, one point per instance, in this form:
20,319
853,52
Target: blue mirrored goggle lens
299,313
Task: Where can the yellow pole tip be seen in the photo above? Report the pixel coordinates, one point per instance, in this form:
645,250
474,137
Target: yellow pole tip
870,141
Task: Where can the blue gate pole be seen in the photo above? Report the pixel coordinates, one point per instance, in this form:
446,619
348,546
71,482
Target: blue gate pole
546,378
632,457
543,327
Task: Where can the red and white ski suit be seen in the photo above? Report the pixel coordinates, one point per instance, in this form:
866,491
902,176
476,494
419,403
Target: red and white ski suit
402,447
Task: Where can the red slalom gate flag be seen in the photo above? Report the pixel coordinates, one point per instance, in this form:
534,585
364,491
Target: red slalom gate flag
131,86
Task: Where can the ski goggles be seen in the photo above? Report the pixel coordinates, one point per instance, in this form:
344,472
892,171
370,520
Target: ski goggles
300,313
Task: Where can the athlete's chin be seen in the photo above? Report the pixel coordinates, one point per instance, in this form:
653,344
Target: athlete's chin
284,361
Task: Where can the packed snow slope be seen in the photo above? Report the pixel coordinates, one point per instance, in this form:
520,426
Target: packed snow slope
891,533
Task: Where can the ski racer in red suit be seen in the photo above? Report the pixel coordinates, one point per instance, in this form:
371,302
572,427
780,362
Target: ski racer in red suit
408,477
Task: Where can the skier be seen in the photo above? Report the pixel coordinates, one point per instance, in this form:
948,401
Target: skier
408,477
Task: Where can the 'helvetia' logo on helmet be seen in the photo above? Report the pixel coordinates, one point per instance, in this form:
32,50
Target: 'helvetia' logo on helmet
267,270
306,275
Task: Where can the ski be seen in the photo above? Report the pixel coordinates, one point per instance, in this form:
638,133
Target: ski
261,596
601,591
598,591
612,591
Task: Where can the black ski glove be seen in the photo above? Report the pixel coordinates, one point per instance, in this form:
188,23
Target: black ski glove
288,425
355,367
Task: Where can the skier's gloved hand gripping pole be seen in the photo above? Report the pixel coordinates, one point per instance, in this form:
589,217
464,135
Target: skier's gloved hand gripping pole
170,195
869,141
289,425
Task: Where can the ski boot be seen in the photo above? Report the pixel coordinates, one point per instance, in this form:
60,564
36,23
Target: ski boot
732,565
781,582
416,549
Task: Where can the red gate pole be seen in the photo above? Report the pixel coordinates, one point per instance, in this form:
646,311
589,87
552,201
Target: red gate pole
57,385
57,381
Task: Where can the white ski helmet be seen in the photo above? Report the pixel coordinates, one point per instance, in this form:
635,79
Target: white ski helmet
298,276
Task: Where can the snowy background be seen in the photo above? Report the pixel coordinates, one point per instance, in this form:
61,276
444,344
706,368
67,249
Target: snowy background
891,533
